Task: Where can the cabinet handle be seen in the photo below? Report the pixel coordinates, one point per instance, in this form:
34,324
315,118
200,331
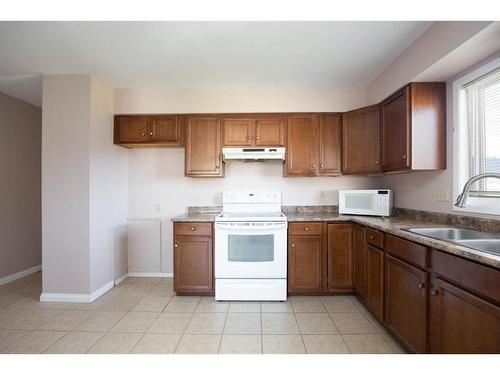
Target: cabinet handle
150,133
404,157
421,285
143,133
434,292
258,137
377,162
293,245
371,237
217,167
313,165
306,229
193,229
176,245
249,138
321,165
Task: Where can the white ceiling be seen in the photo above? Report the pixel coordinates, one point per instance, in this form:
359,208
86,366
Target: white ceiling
205,54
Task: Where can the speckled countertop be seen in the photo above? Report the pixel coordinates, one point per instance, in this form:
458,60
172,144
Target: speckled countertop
392,225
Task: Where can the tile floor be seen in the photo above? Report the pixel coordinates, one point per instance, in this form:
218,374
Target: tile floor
142,315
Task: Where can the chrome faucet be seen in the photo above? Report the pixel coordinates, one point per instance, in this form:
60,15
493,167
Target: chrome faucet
462,197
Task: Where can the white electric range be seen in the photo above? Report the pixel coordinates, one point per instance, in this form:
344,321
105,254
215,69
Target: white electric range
251,247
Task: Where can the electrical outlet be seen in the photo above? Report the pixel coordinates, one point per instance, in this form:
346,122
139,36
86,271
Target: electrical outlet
323,195
444,195
157,208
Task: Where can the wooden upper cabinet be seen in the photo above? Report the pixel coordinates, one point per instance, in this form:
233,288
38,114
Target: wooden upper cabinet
340,258
413,124
203,153
462,322
253,130
302,145
148,130
270,131
330,134
361,141
238,132
165,130
130,129
406,303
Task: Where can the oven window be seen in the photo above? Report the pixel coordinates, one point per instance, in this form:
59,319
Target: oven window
250,248
359,201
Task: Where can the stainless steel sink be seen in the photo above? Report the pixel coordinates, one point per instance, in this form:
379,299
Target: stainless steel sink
486,242
489,246
451,234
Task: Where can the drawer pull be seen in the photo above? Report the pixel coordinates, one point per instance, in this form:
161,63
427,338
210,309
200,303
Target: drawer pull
293,245
306,229
249,138
434,292
176,245
193,229
421,285
371,237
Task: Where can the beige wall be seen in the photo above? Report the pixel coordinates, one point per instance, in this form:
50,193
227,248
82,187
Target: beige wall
84,185
108,186
65,184
20,173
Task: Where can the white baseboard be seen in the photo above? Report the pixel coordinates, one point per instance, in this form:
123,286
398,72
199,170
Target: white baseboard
150,274
19,275
76,297
120,279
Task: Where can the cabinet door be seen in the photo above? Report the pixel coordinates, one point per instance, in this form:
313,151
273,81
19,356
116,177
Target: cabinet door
203,147
396,147
406,303
270,131
130,129
238,132
340,258
330,127
359,260
164,129
302,145
304,264
193,264
374,281
462,322
361,141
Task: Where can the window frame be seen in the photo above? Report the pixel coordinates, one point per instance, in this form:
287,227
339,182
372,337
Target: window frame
479,202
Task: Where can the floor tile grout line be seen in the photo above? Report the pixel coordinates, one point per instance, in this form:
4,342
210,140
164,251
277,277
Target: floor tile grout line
223,329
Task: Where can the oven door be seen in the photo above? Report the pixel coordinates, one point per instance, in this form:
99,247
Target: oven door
250,250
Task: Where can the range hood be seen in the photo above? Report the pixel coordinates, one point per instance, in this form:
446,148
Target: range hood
254,154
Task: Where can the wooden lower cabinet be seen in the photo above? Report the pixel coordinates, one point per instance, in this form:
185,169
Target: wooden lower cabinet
462,322
339,270
406,303
359,261
193,262
305,254
374,281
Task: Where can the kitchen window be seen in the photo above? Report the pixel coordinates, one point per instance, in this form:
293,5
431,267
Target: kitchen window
477,136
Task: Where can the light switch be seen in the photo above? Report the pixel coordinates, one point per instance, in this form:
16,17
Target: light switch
444,195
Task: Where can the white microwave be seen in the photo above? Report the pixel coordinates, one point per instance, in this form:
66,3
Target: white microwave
366,202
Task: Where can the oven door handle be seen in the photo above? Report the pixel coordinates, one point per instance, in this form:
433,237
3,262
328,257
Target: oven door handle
250,227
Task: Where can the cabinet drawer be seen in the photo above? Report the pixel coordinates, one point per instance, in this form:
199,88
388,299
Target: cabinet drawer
193,229
472,276
374,238
407,250
306,228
